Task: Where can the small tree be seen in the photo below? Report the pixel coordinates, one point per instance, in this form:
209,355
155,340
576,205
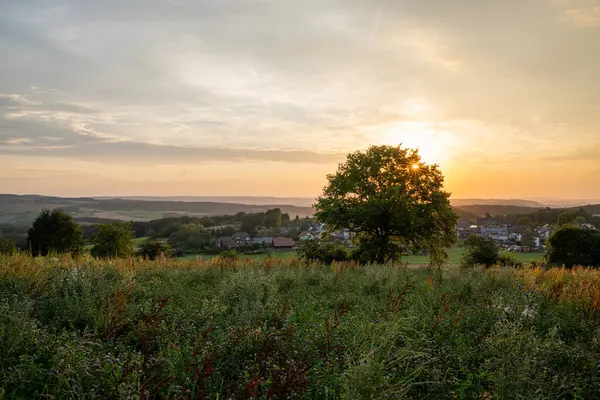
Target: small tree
525,221
114,240
570,246
528,239
7,247
324,252
54,231
480,250
153,249
391,200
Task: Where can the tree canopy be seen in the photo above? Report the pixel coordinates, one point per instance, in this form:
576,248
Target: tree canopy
54,231
571,246
392,200
113,240
480,250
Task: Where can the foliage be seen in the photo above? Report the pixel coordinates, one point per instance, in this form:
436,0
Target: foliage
480,250
190,238
284,329
113,240
7,246
390,198
507,261
571,246
154,249
325,252
526,221
54,231
528,238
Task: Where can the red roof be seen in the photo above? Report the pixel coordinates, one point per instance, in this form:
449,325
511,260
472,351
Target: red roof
283,242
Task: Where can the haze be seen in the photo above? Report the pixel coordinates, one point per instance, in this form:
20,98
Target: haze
258,97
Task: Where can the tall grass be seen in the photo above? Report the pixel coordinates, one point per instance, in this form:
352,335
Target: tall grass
281,328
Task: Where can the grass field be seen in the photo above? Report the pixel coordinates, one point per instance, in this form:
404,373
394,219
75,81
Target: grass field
455,254
281,329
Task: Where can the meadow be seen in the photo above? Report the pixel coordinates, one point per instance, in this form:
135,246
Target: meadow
454,256
281,328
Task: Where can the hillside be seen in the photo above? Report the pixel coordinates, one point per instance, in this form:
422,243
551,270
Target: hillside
22,209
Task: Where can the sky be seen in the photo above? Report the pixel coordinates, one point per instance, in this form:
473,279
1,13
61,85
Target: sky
265,97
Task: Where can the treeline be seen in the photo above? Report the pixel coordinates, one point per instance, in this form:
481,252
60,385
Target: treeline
545,216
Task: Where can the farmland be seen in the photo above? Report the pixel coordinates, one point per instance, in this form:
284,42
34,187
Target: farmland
280,328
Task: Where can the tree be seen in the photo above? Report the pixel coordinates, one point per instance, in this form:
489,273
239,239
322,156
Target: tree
528,238
273,218
7,246
580,220
480,250
325,252
153,249
390,199
563,219
525,221
54,231
113,240
571,246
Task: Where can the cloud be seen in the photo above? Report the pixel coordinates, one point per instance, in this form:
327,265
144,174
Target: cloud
587,17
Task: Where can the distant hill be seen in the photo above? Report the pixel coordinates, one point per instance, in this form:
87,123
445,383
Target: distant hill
22,209
249,200
496,202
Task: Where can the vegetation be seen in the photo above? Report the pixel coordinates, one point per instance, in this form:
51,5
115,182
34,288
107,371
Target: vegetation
480,250
571,246
154,249
324,252
7,247
113,240
391,200
54,232
281,329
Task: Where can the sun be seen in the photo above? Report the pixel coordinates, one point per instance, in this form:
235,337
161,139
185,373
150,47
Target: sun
434,146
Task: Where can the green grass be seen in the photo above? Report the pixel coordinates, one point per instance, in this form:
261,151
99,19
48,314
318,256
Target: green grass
281,329
279,254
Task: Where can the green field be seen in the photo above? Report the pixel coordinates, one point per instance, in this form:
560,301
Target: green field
282,329
455,254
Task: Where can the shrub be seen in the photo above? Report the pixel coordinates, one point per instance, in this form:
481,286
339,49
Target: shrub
113,240
7,247
507,261
570,246
153,249
480,251
325,252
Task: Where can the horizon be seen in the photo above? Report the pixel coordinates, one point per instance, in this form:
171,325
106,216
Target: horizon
173,98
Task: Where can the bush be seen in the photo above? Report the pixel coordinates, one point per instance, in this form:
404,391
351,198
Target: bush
507,261
113,240
7,247
153,249
570,246
480,251
325,252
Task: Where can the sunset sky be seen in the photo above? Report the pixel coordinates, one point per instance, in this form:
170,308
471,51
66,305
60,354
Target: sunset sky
260,97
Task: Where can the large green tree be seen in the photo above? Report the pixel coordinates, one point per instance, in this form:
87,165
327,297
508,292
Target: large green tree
571,246
392,200
113,240
54,231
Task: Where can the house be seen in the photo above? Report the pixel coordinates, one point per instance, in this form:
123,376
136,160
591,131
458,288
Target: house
469,231
263,241
488,221
305,235
463,224
224,242
496,232
544,232
516,232
241,239
283,243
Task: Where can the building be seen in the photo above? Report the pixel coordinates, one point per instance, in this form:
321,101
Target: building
241,239
469,231
516,232
544,232
305,235
283,243
224,242
263,241
496,232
